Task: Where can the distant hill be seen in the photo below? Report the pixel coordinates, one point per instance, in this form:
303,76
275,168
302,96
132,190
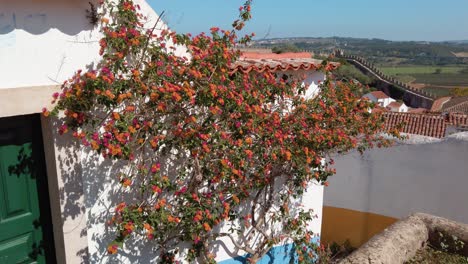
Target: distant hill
380,51
457,41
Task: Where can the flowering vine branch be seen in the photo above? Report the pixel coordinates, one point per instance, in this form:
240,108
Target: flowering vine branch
211,153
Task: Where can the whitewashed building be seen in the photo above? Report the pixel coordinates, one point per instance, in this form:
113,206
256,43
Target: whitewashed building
399,107
380,98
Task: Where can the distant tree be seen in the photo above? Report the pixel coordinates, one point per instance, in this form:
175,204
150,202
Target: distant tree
459,92
285,48
438,71
349,72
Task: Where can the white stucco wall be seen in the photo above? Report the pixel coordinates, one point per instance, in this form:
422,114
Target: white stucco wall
428,177
45,42
403,108
381,101
386,101
312,80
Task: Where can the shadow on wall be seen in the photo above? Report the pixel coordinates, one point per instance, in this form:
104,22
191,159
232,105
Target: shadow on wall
102,193
37,17
70,187
83,189
86,198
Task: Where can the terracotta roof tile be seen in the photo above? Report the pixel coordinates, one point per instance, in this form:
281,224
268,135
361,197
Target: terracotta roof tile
457,119
419,110
439,103
394,105
461,107
260,62
287,55
417,124
379,94
455,101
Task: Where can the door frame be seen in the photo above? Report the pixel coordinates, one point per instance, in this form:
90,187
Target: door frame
33,122
69,233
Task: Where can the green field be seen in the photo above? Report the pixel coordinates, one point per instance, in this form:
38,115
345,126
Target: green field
438,80
404,78
438,91
410,70
443,79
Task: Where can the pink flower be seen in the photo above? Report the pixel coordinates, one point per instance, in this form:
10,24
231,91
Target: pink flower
155,167
181,191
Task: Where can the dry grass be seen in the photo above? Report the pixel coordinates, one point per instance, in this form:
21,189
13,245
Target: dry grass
429,255
461,54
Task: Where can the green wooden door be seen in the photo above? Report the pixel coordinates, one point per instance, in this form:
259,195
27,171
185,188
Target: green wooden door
23,209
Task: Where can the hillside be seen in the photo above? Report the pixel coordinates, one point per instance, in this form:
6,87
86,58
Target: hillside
439,67
381,52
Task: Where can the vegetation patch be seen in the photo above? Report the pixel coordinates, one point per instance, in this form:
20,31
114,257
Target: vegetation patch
437,80
443,79
430,255
439,91
422,70
442,248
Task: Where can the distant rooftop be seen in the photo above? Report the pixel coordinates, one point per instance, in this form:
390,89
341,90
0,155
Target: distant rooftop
456,104
260,62
417,124
379,94
394,104
430,125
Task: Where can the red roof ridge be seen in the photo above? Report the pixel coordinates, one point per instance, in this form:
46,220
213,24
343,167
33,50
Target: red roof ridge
395,103
261,62
439,103
287,55
379,94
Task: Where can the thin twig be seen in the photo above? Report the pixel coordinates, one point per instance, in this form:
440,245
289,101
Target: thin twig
149,37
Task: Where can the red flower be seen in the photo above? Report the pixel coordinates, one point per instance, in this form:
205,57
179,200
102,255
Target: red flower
120,207
45,112
156,189
112,248
206,226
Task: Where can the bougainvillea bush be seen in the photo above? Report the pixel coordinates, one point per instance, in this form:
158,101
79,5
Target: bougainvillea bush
209,153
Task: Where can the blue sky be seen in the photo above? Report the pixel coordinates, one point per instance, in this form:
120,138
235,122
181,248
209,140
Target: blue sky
431,20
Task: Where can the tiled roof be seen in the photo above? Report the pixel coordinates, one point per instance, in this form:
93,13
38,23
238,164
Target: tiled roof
260,62
457,119
394,105
461,107
439,103
419,110
455,101
379,94
418,124
286,55
455,104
